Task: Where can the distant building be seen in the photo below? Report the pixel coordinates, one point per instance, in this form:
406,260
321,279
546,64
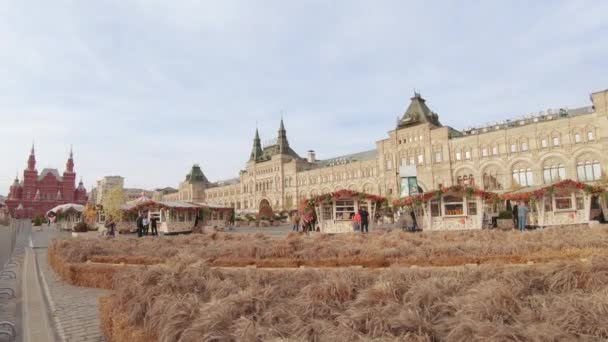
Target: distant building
531,150
37,192
107,183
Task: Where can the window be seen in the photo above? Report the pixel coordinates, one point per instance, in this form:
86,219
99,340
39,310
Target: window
523,177
435,208
563,200
484,152
437,157
467,154
590,136
389,164
524,146
588,171
453,205
458,156
495,150
577,138
326,212
490,180
543,143
345,210
554,173
472,207
513,148
411,160
420,159
555,141
465,180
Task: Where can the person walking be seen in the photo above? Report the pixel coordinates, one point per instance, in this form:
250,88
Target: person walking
112,228
295,220
357,221
514,214
140,225
146,224
364,220
153,230
522,215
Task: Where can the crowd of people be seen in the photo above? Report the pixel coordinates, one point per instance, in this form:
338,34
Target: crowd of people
308,222
146,226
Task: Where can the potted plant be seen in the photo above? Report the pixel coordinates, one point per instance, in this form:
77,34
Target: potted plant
505,220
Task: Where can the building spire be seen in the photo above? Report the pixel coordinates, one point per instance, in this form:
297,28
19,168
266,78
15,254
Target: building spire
256,151
69,166
31,161
282,139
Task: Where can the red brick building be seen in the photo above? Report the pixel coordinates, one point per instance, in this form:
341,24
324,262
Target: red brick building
37,192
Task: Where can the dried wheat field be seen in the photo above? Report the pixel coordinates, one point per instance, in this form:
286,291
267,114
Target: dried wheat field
549,285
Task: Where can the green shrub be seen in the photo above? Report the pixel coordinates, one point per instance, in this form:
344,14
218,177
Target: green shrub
505,215
38,220
81,227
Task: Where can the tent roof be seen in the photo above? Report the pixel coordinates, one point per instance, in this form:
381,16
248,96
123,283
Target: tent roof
67,207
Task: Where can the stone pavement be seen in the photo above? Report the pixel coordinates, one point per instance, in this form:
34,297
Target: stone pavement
73,310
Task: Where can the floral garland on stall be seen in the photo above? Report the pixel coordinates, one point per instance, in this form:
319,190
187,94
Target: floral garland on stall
417,200
328,198
550,189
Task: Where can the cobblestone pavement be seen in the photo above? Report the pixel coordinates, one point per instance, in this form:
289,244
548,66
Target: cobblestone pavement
74,310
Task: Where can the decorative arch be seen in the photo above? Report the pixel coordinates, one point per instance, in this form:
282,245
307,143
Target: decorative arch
492,176
368,188
352,187
525,160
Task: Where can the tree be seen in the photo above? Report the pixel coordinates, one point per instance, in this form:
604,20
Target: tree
90,214
112,203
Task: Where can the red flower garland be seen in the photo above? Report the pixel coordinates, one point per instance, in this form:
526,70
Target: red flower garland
427,196
565,184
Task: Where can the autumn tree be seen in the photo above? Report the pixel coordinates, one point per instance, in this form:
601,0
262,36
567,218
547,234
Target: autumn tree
90,214
112,203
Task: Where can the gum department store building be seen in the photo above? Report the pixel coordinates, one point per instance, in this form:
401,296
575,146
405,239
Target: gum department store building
555,145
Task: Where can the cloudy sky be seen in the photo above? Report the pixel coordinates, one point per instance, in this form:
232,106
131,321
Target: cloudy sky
146,88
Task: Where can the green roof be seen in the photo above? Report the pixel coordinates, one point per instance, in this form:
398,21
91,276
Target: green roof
418,112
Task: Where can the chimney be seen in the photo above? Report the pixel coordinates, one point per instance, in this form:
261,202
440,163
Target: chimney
311,156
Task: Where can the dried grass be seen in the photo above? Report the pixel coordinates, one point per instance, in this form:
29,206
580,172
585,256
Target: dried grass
370,250
188,301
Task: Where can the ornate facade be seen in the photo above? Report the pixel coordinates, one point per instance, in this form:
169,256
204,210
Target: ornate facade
534,150
37,192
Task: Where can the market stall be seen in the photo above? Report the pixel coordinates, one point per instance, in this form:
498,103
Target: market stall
217,217
335,211
562,203
453,208
67,216
171,217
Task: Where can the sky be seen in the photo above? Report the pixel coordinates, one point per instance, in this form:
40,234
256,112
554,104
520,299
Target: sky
146,88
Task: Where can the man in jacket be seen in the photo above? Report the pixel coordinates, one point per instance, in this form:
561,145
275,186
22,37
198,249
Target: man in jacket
140,225
364,220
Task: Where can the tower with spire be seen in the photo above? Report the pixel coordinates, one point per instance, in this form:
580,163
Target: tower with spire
282,139
256,151
69,178
39,192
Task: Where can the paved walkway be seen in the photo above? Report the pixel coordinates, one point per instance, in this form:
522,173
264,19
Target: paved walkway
74,310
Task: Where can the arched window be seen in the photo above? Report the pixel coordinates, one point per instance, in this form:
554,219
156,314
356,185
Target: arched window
553,172
490,179
465,178
523,176
588,170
